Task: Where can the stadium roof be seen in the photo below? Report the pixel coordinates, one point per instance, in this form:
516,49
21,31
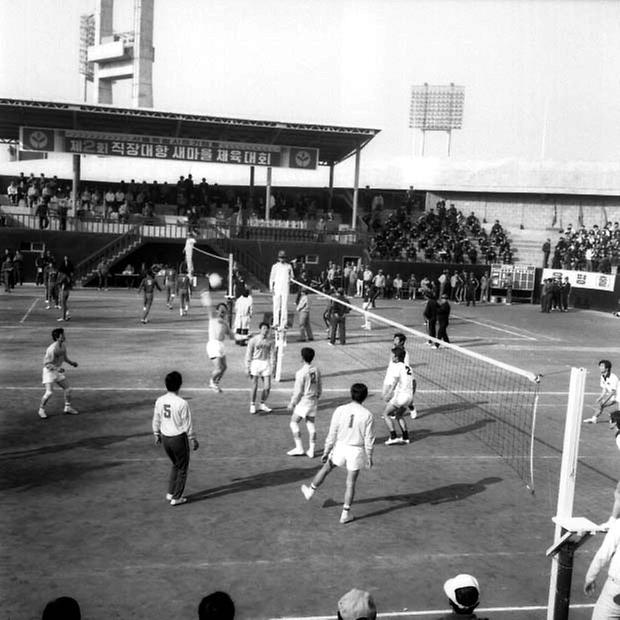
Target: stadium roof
334,143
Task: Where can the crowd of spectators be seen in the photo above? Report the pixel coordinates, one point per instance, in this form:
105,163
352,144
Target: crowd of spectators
441,234
462,593
593,249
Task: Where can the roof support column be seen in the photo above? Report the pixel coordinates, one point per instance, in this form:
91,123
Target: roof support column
331,187
77,165
356,183
268,194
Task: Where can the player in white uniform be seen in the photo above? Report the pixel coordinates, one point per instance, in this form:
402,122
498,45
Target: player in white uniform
279,285
53,372
304,403
218,330
244,307
398,391
259,360
172,425
350,442
610,392
188,250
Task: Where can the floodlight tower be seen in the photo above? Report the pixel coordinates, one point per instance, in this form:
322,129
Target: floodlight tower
123,55
437,108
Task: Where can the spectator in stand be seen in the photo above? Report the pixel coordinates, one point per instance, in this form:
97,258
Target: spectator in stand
546,250
12,193
32,195
123,212
86,199
109,201
119,199
42,214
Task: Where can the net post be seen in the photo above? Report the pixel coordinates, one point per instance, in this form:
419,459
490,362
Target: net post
280,344
562,562
230,274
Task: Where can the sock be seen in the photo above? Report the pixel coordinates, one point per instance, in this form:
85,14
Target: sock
405,434
392,434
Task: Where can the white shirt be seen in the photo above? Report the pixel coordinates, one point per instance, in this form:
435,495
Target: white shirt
243,305
352,425
605,553
308,385
172,416
189,245
280,277
399,377
611,384
55,355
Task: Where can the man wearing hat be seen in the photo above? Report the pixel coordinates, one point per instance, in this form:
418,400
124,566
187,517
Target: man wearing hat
279,285
463,594
357,605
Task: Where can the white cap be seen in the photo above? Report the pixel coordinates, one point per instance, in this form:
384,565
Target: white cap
456,583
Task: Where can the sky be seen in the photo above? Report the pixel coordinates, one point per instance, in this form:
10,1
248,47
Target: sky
541,77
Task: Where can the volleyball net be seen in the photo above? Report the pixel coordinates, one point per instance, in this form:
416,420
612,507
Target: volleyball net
494,401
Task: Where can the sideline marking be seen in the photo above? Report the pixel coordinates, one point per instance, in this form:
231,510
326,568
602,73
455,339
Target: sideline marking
34,303
499,329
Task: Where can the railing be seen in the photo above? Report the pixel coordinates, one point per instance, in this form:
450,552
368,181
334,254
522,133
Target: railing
243,257
131,239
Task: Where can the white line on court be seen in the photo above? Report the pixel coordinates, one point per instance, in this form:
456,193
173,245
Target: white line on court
32,305
499,329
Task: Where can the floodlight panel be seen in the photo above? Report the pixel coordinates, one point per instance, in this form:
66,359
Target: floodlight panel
437,108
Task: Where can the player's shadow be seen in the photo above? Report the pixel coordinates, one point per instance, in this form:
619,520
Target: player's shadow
450,408
102,441
353,371
441,495
257,481
419,434
475,342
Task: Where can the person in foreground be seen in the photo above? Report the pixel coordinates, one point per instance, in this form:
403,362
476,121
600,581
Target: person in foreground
350,442
357,605
463,594
216,606
172,426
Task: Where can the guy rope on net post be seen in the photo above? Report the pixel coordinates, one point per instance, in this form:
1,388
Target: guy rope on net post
570,532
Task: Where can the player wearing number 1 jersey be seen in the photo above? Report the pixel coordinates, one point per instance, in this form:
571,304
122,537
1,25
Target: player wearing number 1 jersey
350,441
304,403
398,390
172,426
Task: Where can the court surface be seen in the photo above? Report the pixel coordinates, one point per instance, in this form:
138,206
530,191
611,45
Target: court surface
83,509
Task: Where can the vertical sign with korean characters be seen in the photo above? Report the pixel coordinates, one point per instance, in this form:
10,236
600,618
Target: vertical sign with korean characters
164,147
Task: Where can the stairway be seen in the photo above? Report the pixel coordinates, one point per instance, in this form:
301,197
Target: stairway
117,249
528,244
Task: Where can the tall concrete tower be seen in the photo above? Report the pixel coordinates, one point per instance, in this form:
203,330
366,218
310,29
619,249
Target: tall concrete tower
124,55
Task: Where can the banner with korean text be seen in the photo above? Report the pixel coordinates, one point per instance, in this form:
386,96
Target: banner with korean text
583,279
162,147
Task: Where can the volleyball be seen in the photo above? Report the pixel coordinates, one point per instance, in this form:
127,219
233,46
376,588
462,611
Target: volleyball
215,280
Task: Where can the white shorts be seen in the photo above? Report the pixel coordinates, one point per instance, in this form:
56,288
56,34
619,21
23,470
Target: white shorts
305,409
260,368
354,457
215,348
242,321
400,400
52,376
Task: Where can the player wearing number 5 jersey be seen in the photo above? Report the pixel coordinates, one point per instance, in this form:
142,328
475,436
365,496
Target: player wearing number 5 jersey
304,403
350,442
398,391
172,426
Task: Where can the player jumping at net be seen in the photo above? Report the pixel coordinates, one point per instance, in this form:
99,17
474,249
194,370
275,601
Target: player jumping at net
350,442
304,403
53,372
398,391
148,286
259,361
610,392
218,331
188,252
279,284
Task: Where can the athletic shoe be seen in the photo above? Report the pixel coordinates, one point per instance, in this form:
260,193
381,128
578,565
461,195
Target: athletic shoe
592,420
346,517
42,413
393,442
70,409
214,386
263,407
168,496
180,311
307,491
310,453
405,440
296,452
252,408
60,319
178,502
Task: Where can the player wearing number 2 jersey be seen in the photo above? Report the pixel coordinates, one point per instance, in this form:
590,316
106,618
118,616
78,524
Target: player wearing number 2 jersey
398,390
304,403
172,426
350,441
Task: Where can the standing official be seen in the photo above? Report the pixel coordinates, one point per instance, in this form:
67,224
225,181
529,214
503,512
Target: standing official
350,442
279,284
244,307
303,307
337,317
430,316
443,319
564,293
172,426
